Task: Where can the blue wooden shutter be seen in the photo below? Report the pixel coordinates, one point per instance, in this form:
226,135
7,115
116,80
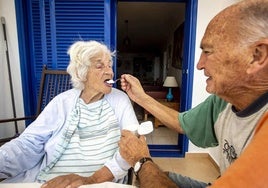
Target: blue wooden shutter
56,24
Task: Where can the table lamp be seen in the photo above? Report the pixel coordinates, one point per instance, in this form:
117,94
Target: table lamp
170,82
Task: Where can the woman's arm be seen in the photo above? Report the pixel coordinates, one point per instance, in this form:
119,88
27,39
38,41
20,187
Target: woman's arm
74,180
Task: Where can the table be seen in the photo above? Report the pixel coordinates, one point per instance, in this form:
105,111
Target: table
173,105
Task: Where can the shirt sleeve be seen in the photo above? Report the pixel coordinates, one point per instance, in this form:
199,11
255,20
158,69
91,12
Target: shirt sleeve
27,150
251,168
126,116
118,166
123,108
198,123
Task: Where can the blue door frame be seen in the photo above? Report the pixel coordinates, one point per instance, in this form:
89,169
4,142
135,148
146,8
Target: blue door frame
110,39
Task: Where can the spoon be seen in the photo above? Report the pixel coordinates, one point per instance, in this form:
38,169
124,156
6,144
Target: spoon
112,81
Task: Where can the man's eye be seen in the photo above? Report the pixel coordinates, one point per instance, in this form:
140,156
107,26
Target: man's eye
206,52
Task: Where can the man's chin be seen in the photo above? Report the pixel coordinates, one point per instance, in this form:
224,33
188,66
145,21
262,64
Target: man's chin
210,90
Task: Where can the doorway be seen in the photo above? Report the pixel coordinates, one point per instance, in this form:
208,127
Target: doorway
145,44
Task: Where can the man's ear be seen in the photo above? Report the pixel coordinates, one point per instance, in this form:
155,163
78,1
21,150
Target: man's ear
260,57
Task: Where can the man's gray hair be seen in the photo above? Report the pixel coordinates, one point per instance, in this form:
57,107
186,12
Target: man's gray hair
253,20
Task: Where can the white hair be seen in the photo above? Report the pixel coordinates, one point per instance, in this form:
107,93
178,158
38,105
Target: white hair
253,22
81,54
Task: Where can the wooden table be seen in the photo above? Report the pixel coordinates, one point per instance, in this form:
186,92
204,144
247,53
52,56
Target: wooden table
173,105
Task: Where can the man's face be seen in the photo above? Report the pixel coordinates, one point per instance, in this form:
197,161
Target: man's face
223,58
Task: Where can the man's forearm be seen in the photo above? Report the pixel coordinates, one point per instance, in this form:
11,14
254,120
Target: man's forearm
150,176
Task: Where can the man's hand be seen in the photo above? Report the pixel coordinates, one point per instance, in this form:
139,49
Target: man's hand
132,86
133,148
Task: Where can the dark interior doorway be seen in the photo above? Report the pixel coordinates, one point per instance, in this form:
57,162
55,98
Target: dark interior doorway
145,39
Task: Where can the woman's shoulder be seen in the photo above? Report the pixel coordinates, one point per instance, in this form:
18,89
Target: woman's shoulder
117,95
117,92
70,92
67,95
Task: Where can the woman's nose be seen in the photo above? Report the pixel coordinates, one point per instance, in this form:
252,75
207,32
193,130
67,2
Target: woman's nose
108,70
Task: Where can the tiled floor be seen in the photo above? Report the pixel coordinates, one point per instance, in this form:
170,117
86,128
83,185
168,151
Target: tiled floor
199,166
162,135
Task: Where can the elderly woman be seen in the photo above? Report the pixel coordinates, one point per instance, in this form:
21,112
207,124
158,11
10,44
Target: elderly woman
74,141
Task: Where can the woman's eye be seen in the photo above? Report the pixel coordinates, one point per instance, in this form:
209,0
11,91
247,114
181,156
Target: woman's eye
99,66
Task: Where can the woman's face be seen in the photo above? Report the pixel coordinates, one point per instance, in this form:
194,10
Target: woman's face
99,72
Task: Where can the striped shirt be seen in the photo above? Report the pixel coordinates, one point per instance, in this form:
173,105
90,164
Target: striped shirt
87,143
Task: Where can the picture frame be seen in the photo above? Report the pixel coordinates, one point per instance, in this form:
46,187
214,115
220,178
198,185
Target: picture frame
177,55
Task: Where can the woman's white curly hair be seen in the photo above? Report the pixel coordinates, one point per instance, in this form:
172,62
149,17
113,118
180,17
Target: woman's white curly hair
81,55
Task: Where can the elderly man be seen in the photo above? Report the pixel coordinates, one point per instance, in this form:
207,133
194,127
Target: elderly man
235,60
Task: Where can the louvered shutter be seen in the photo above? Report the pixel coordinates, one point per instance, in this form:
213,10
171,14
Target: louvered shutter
56,24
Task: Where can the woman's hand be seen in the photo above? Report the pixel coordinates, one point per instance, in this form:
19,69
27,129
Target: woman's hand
66,181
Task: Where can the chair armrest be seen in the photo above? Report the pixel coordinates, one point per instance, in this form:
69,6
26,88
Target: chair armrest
17,119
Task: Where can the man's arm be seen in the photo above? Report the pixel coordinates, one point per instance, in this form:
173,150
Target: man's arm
132,149
150,176
166,115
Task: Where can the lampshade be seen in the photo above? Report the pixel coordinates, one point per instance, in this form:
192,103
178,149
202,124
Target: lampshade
170,81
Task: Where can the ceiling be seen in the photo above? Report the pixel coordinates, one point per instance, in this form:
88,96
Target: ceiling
150,24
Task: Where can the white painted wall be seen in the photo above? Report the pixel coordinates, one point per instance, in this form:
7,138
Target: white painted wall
206,10
7,10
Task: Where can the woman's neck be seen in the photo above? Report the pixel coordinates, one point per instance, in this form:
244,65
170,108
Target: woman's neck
90,97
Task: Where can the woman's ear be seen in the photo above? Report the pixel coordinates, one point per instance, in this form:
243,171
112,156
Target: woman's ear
260,57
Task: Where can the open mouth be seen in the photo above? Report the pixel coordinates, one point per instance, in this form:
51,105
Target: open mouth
109,82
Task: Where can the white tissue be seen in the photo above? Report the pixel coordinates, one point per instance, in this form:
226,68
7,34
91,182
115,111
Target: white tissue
145,128
142,129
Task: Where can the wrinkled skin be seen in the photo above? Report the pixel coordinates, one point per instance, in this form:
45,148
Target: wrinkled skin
227,62
128,147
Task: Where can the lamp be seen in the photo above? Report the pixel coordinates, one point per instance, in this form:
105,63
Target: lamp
126,40
170,82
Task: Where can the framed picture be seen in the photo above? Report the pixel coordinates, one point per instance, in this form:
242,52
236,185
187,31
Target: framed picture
177,55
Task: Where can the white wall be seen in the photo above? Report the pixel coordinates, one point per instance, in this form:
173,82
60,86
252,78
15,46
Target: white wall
7,10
